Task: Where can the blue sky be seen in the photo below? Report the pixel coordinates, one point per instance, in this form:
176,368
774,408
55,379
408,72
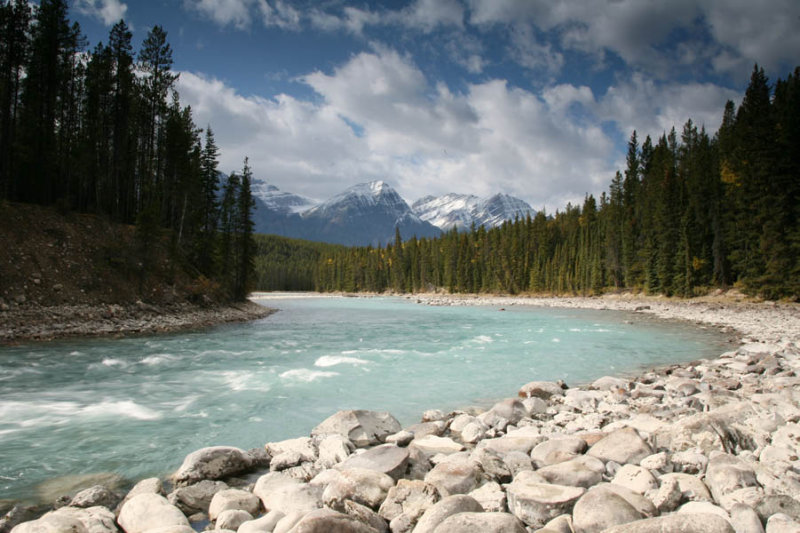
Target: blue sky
534,98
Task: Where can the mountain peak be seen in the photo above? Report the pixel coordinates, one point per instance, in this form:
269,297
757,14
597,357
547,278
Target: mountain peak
462,210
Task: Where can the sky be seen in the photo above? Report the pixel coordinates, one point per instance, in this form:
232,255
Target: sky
534,98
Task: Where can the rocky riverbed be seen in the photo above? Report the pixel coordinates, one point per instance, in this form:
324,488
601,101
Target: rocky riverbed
709,446
38,322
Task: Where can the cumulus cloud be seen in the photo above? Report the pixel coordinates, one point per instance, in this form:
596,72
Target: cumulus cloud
235,13
108,11
652,108
378,117
728,35
282,15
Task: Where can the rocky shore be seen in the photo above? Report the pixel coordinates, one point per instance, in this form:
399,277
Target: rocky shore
709,446
38,322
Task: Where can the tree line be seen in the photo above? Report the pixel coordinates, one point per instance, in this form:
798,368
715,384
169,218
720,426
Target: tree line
103,131
689,213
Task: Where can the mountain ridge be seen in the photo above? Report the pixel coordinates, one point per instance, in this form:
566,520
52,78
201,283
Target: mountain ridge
368,214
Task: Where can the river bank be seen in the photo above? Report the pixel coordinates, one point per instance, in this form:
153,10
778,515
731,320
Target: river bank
32,322
711,445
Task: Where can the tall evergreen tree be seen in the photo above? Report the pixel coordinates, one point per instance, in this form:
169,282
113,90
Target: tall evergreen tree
245,245
15,19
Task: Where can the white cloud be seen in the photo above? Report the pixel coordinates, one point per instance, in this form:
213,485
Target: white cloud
427,15
755,32
281,15
109,11
731,35
379,117
653,108
224,12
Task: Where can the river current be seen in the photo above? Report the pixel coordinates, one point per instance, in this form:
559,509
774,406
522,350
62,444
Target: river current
136,406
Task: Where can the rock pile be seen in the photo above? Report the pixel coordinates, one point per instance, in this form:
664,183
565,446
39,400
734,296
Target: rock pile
712,446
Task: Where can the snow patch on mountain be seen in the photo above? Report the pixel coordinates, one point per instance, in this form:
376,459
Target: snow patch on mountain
460,211
280,201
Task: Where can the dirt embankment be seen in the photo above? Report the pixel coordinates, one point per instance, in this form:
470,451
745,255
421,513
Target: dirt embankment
80,274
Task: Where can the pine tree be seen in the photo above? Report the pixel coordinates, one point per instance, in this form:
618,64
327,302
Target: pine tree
123,157
15,19
155,82
245,245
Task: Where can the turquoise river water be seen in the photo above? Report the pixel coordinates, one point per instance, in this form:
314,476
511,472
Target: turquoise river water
136,406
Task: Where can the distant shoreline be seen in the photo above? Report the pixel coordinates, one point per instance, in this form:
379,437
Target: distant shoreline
45,323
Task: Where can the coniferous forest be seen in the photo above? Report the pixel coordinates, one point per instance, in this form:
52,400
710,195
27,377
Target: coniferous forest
102,130
690,212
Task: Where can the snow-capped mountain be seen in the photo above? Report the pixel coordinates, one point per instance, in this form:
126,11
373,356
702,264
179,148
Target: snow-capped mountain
281,201
462,210
367,213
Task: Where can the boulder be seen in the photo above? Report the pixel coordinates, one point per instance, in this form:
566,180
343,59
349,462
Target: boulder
286,523
642,504
366,487
540,389
215,462
431,445
265,524
97,495
491,496
704,507
52,523
483,522
286,494
232,518
95,519
409,497
521,440
727,473
778,503
658,462
683,523
433,415
234,499
600,509
622,446
493,465
474,432
636,478
692,487
445,508
386,458
689,462
582,471
149,511
781,523
195,498
457,476
334,449
559,524
745,519
328,521
537,503
535,406
517,462
364,514
401,438
291,452
511,409
668,497
609,383
423,429
557,450
362,428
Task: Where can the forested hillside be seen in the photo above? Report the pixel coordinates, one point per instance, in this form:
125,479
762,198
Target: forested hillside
690,212
283,264
103,132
